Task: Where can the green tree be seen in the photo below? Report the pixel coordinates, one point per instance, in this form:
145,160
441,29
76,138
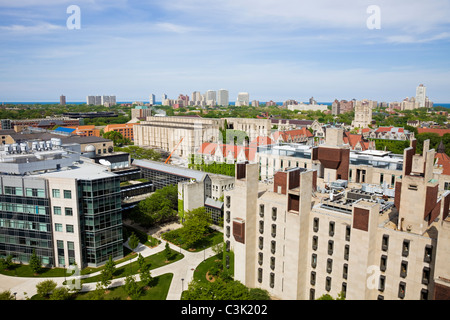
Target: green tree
131,287
108,272
161,206
167,251
133,241
141,262
145,275
45,288
6,263
195,225
61,293
115,136
6,295
35,262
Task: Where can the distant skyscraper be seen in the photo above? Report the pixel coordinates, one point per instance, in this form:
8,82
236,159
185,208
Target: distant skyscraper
164,97
243,99
421,95
222,98
62,100
152,99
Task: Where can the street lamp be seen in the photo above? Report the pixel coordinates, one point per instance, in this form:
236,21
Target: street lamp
182,287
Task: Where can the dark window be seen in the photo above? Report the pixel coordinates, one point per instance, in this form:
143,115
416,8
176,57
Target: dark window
315,242
328,284
428,253
316,224
330,247
331,229
405,248
313,278
404,269
381,283
426,275
401,290
385,242
383,263
329,265
347,233
313,260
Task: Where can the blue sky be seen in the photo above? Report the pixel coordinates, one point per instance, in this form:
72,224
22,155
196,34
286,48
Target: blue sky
273,49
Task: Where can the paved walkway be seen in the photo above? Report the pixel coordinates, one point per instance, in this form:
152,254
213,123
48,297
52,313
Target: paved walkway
183,271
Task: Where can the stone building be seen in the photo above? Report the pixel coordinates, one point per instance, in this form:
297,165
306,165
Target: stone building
300,244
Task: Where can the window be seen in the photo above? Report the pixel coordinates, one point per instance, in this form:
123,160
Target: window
328,284
428,253
312,293
33,192
426,275
58,227
412,187
330,247
227,216
331,229
385,242
383,263
261,210
228,231
313,260
347,232
69,228
274,214
313,278
274,230
405,248
57,211
401,290
316,224
260,274
315,242
345,271
56,193
273,245
261,226
228,201
404,269
329,265
67,194
424,294
381,283
261,241
68,211
344,289
272,279
260,258
272,263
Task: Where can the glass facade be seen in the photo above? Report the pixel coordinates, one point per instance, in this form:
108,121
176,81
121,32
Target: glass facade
25,224
101,219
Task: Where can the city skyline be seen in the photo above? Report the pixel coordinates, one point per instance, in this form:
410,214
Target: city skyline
275,50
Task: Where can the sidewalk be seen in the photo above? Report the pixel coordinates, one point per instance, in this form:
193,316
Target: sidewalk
182,270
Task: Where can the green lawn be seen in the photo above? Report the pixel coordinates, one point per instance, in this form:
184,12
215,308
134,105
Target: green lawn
155,261
212,238
157,291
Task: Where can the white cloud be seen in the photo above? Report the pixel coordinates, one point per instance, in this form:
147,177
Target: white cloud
38,28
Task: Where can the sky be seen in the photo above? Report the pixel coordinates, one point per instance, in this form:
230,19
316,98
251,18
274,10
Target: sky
272,49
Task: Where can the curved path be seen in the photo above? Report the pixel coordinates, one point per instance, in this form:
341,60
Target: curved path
181,269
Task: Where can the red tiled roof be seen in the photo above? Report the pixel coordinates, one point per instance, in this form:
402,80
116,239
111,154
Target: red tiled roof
443,160
440,132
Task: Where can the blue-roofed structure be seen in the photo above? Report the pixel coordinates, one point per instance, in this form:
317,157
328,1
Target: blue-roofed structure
64,130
